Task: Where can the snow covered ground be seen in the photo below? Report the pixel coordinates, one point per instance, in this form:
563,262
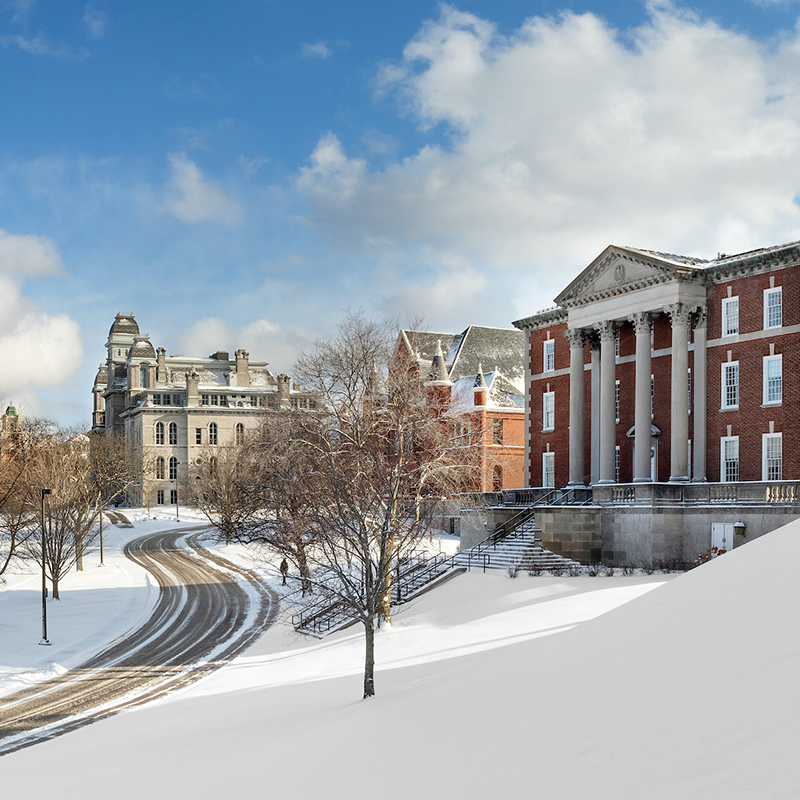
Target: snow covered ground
96,606
688,690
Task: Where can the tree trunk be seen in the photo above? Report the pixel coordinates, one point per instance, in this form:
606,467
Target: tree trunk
55,589
369,661
305,574
79,554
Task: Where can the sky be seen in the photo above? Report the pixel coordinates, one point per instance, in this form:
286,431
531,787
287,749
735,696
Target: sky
239,174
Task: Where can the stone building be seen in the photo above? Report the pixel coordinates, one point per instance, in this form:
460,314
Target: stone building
176,409
489,404
668,383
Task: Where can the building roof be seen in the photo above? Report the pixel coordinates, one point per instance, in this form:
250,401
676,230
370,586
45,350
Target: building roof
124,323
141,348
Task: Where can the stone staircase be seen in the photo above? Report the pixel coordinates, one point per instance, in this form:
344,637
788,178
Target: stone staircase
519,549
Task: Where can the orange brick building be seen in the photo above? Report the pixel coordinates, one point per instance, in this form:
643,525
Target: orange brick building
487,404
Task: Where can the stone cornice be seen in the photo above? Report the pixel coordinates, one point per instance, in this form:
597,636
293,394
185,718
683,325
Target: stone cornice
544,320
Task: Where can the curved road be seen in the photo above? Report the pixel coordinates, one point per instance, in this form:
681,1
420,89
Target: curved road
207,612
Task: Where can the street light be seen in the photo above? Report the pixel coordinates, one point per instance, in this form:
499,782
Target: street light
45,640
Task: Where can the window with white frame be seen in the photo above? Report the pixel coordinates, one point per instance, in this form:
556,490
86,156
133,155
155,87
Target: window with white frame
173,496
772,457
159,433
160,468
616,463
160,497
548,411
773,379
652,395
729,459
773,307
730,384
730,316
549,356
616,342
213,433
173,433
549,470
173,468
616,400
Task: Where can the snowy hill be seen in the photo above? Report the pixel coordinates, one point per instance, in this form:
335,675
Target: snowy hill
688,690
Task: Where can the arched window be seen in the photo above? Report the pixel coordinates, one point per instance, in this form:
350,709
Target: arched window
239,433
497,479
173,433
173,468
160,468
159,433
143,377
212,433
212,464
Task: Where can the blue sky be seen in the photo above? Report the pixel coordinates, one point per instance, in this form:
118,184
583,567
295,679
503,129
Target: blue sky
237,174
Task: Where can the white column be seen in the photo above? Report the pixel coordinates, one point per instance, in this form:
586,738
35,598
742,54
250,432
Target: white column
642,420
608,416
577,405
595,410
679,419
699,369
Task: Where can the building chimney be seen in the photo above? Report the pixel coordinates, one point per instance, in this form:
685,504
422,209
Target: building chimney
242,368
192,382
161,368
480,390
284,385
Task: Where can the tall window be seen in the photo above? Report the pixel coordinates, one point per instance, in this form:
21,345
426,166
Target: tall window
689,388
160,497
616,463
730,316
160,468
212,464
143,377
772,457
730,384
773,307
548,411
549,469
729,466
159,433
212,433
616,342
173,433
239,433
198,436
616,401
549,359
497,431
173,468
652,396
173,496
773,379
497,478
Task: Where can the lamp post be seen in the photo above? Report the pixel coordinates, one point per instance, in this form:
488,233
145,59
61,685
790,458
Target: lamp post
101,536
45,640
177,509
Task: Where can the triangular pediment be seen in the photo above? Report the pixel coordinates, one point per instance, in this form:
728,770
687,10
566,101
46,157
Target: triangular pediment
621,269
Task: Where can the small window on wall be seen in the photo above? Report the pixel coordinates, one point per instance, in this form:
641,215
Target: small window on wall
497,431
730,316
549,469
729,459
773,307
548,411
198,436
549,355
772,457
773,379
730,384
497,478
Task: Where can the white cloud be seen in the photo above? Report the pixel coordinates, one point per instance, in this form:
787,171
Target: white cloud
41,46
36,349
95,21
315,50
193,198
20,10
569,135
264,340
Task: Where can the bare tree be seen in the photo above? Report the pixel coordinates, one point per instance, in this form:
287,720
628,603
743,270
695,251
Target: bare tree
381,452
222,487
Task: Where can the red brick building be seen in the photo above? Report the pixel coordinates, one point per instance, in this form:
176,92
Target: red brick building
477,376
656,367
